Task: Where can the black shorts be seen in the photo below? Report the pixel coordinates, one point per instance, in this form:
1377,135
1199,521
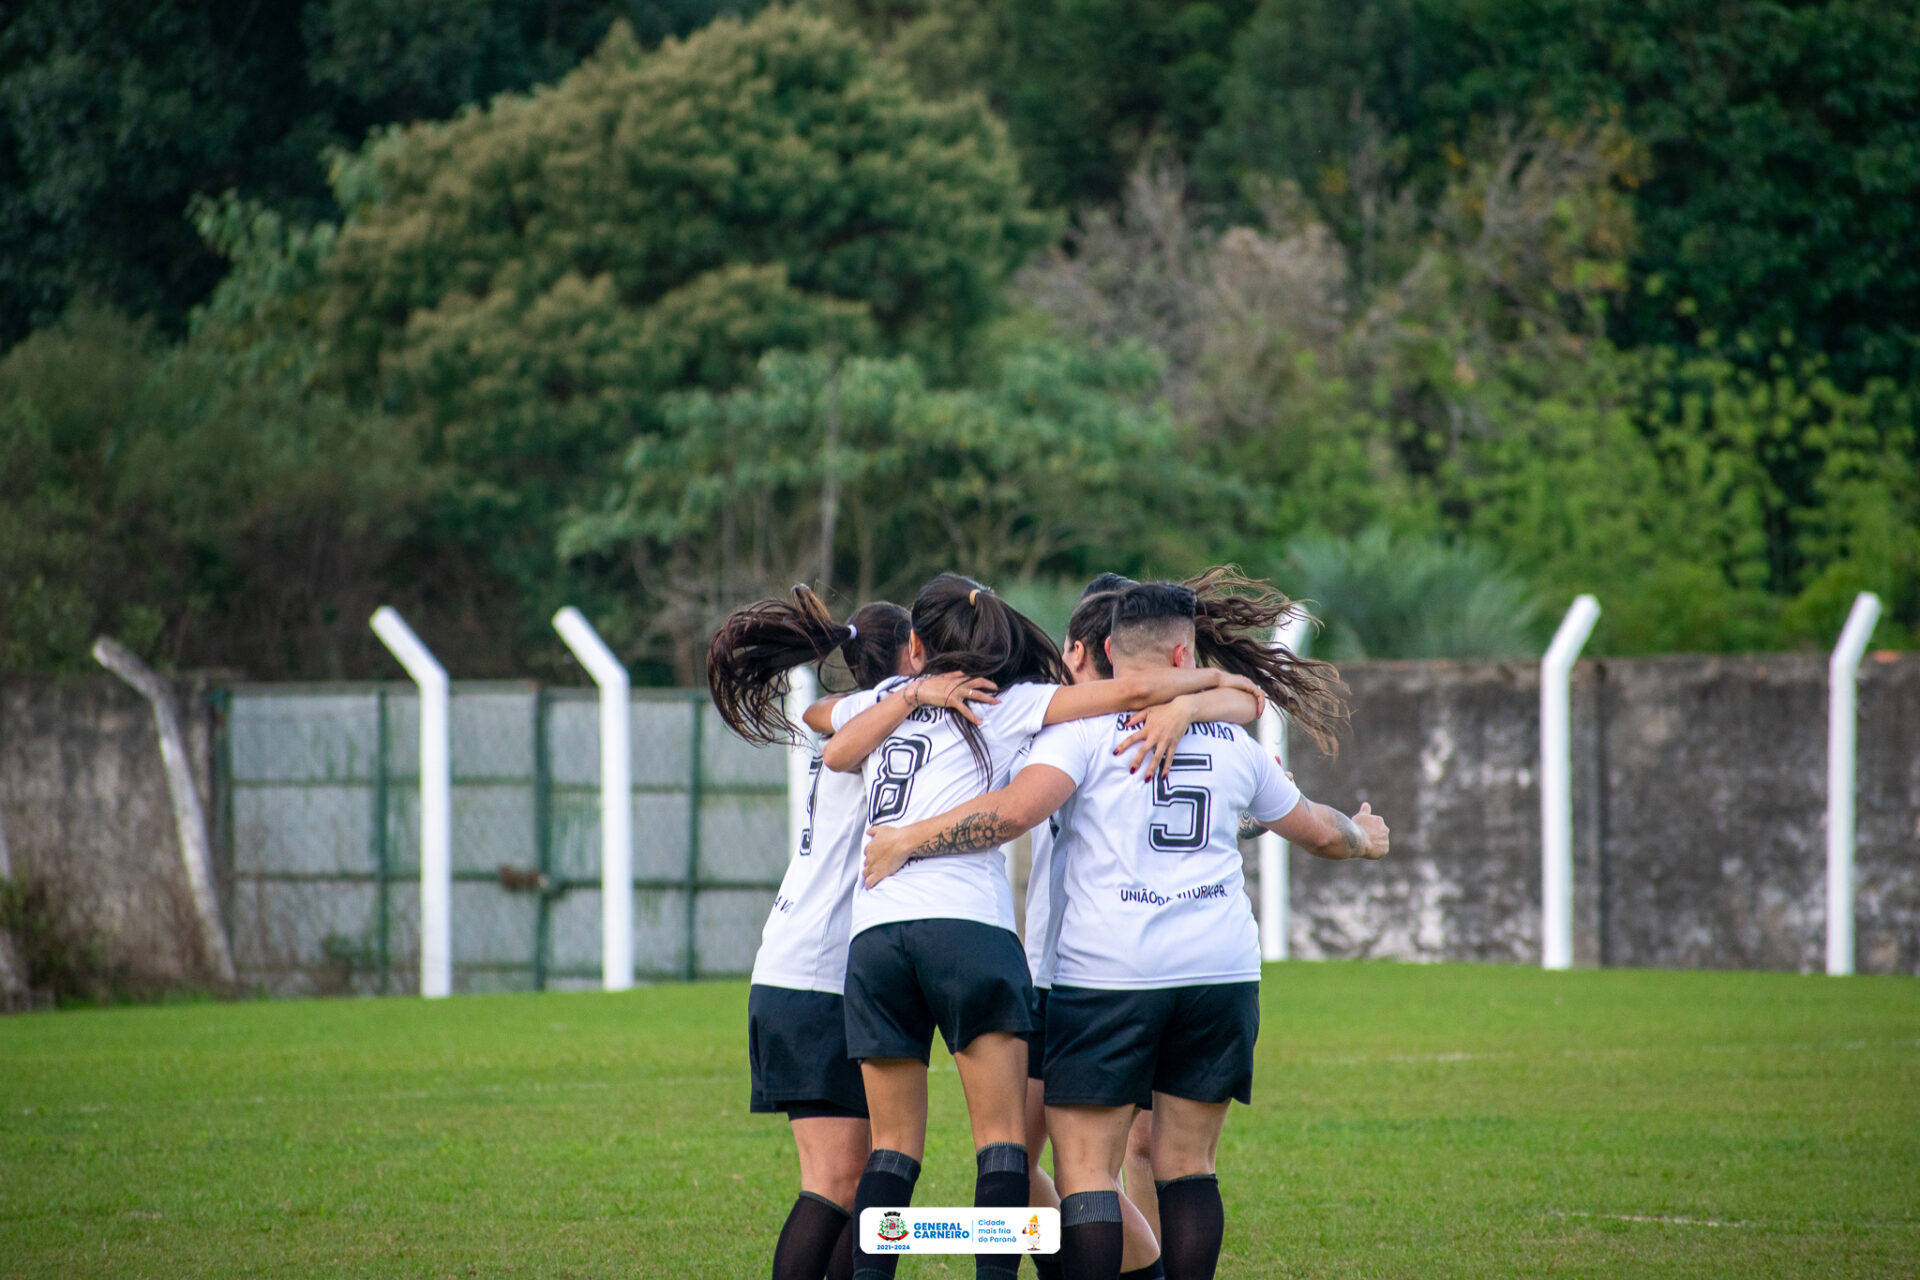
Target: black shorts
906,978
1037,1038
797,1049
1115,1048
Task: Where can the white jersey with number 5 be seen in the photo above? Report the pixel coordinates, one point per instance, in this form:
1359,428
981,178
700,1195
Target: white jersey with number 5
1151,870
924,769
804,945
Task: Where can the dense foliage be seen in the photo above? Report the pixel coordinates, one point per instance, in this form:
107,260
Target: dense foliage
112,116
483,306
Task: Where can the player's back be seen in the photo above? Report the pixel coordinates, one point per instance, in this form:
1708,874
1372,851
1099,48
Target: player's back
925,767
1151,870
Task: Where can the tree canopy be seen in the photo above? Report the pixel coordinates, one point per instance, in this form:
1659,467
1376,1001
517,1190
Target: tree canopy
484,306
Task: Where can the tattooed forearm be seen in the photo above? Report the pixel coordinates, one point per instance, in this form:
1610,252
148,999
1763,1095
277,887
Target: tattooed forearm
1352,838
970,834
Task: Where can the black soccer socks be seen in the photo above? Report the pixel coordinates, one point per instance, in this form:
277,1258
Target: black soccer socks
1091,1238
1152,1271
1000,1182
840,1263
888,1184
810,1238
1192,1222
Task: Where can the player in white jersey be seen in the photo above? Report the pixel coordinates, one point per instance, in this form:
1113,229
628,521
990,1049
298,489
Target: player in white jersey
1085,656
934,948
1156,984
795,1028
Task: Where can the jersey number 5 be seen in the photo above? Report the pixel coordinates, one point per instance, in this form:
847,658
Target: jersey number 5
900,759
1182,816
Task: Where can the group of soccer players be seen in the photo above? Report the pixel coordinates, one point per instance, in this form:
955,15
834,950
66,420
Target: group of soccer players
1137,991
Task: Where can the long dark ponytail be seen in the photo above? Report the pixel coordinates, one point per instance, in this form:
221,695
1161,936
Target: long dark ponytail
965,627
750,661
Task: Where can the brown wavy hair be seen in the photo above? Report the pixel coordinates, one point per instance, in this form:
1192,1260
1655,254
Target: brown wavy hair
1233,618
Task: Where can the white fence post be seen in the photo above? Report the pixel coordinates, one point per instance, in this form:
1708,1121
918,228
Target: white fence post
189,819
802,690
1556,788
1842,704
1296,633
616,795
436,800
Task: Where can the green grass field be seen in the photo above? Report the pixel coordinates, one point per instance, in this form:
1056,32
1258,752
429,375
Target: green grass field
1407,1121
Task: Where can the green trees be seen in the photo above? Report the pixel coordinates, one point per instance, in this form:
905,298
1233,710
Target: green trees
203,515
1720,500
1782,193
112,116
1607,296
1379,596
858,472
522,284
1088,83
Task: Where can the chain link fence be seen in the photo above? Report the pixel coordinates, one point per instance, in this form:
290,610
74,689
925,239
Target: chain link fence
319,822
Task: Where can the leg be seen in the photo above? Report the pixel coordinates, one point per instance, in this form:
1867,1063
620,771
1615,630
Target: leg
993,1073
1139,1246
897,1099
1088,1143
1186,1140
833,1151
1138,1168
817,1239
1040,1189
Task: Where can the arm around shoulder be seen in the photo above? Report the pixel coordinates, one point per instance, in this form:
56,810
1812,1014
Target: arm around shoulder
1129,693
980,824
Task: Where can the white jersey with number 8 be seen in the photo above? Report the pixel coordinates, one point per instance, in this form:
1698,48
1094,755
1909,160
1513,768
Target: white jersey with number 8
924,769
1151,870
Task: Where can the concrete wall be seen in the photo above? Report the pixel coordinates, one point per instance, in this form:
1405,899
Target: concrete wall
1699,807
85,805
1699,788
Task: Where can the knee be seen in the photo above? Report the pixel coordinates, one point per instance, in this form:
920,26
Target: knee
1178,1163
842,1186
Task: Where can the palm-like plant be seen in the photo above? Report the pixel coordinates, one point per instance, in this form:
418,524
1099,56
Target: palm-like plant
1385,597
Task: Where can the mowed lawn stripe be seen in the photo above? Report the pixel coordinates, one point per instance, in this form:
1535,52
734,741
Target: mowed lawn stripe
1407,1121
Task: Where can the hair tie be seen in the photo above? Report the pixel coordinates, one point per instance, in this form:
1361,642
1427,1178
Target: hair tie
973,597
852,631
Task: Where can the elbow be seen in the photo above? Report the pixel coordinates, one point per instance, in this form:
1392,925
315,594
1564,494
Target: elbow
1027,817
839,761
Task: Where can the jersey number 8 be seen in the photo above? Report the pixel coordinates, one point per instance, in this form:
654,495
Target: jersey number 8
900,759
1182,815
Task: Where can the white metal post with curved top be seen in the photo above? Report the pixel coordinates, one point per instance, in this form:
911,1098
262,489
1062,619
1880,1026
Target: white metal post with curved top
1556,783
1296,633
616,794
1842,729
802,689
436,800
